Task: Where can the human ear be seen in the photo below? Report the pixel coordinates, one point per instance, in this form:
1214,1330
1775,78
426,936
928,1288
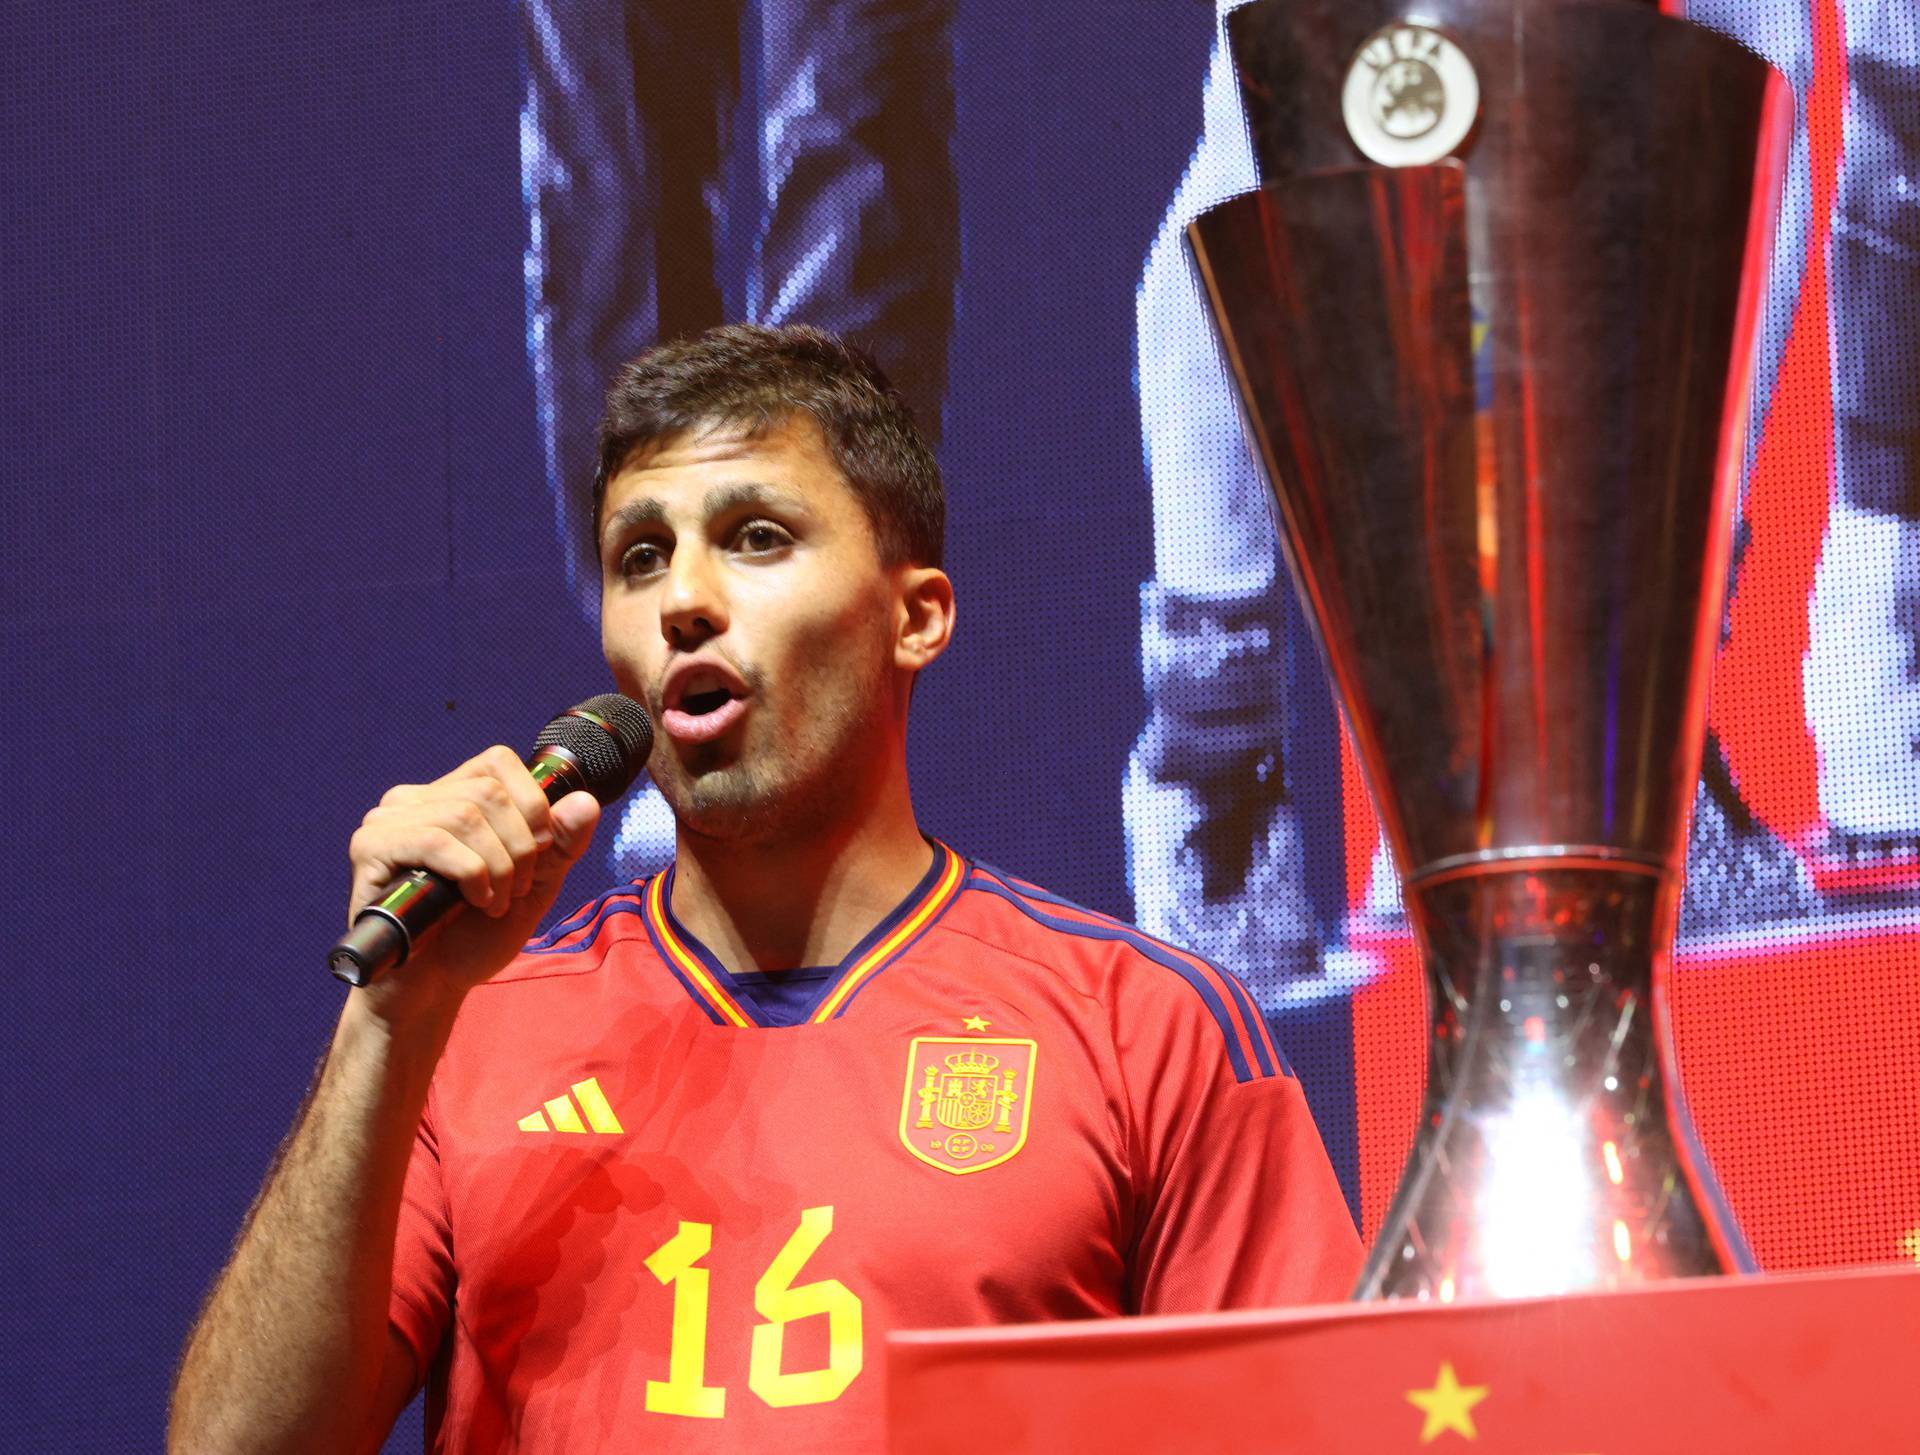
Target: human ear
925,616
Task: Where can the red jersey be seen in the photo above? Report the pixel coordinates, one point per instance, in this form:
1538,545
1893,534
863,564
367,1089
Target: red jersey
642,1214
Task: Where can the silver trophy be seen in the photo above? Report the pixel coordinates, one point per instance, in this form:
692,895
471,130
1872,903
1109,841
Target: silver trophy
1490,319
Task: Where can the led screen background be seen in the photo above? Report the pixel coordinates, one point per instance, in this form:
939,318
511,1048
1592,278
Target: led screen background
279,427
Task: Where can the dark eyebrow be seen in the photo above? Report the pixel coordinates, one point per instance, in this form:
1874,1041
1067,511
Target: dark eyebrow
743,494
721,500
633,515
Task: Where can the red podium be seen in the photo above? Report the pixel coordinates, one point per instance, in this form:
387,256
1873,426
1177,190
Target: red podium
1802,1363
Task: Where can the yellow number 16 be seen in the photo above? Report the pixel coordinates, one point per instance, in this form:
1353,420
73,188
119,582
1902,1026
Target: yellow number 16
778,1300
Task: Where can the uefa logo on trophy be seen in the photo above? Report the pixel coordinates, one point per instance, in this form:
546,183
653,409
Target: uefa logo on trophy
1490,320
1410,97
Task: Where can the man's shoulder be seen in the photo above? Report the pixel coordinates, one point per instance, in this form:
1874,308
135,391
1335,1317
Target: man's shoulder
1144,982
555,1001
581,942
1023,918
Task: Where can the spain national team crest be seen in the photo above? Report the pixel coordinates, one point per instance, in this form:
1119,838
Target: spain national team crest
968,1101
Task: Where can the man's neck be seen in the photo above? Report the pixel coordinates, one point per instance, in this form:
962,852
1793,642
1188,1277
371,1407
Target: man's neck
781,906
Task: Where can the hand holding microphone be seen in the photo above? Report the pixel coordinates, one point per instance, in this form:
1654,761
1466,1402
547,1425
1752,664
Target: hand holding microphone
496,834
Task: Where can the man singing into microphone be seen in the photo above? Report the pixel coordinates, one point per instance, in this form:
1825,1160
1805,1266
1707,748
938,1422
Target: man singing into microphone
664,1178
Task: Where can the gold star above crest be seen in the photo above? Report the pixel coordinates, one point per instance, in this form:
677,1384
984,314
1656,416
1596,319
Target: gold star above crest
1447,1406
975,1023
1910,1244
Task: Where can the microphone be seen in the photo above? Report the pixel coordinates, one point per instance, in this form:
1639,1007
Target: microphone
600,746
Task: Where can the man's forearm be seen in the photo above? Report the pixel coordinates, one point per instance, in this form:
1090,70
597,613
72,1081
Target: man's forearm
288,1354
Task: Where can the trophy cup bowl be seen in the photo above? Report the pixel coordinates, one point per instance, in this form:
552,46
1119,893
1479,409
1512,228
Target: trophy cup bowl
1490,321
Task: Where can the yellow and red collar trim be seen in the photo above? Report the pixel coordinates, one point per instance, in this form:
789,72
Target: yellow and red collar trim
687,966
714,989
906,924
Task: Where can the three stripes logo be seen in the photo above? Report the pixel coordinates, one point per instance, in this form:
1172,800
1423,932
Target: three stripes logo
564,1113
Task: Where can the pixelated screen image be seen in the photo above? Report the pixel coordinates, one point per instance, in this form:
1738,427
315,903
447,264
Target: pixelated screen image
310,316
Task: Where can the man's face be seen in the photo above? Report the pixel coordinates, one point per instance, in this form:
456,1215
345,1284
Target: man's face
743,600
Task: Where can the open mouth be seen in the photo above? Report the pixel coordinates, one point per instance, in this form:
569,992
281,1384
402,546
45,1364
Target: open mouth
700,704
703,702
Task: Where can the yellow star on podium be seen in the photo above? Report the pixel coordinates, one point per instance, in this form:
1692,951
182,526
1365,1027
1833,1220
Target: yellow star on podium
974,1023
1447,1406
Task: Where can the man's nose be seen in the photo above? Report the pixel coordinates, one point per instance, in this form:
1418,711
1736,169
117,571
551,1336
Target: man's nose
694,605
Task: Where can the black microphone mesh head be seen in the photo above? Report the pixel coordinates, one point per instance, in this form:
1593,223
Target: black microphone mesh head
611,745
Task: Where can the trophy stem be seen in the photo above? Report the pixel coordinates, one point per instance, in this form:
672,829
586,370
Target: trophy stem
1553,1153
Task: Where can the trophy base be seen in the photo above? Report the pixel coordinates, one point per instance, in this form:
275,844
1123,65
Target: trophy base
1554,1152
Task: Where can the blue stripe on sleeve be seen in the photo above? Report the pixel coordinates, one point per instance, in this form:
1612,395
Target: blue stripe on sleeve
1150,949
585,915
1263,1047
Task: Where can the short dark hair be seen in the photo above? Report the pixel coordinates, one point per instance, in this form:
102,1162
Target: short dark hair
753,378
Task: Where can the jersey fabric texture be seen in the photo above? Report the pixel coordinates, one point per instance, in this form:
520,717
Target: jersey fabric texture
652,1207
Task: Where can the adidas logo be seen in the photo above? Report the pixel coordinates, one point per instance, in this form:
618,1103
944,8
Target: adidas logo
566,1115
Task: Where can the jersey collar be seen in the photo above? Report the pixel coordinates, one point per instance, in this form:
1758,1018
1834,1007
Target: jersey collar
724,997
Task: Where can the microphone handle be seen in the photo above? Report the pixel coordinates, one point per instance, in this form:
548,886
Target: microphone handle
384,933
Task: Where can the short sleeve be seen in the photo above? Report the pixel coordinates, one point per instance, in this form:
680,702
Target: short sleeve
422,1293
1236,1203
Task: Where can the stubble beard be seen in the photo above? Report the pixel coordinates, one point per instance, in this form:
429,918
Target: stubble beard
792,790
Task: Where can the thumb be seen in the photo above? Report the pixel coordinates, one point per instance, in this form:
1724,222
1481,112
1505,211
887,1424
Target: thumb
574,819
